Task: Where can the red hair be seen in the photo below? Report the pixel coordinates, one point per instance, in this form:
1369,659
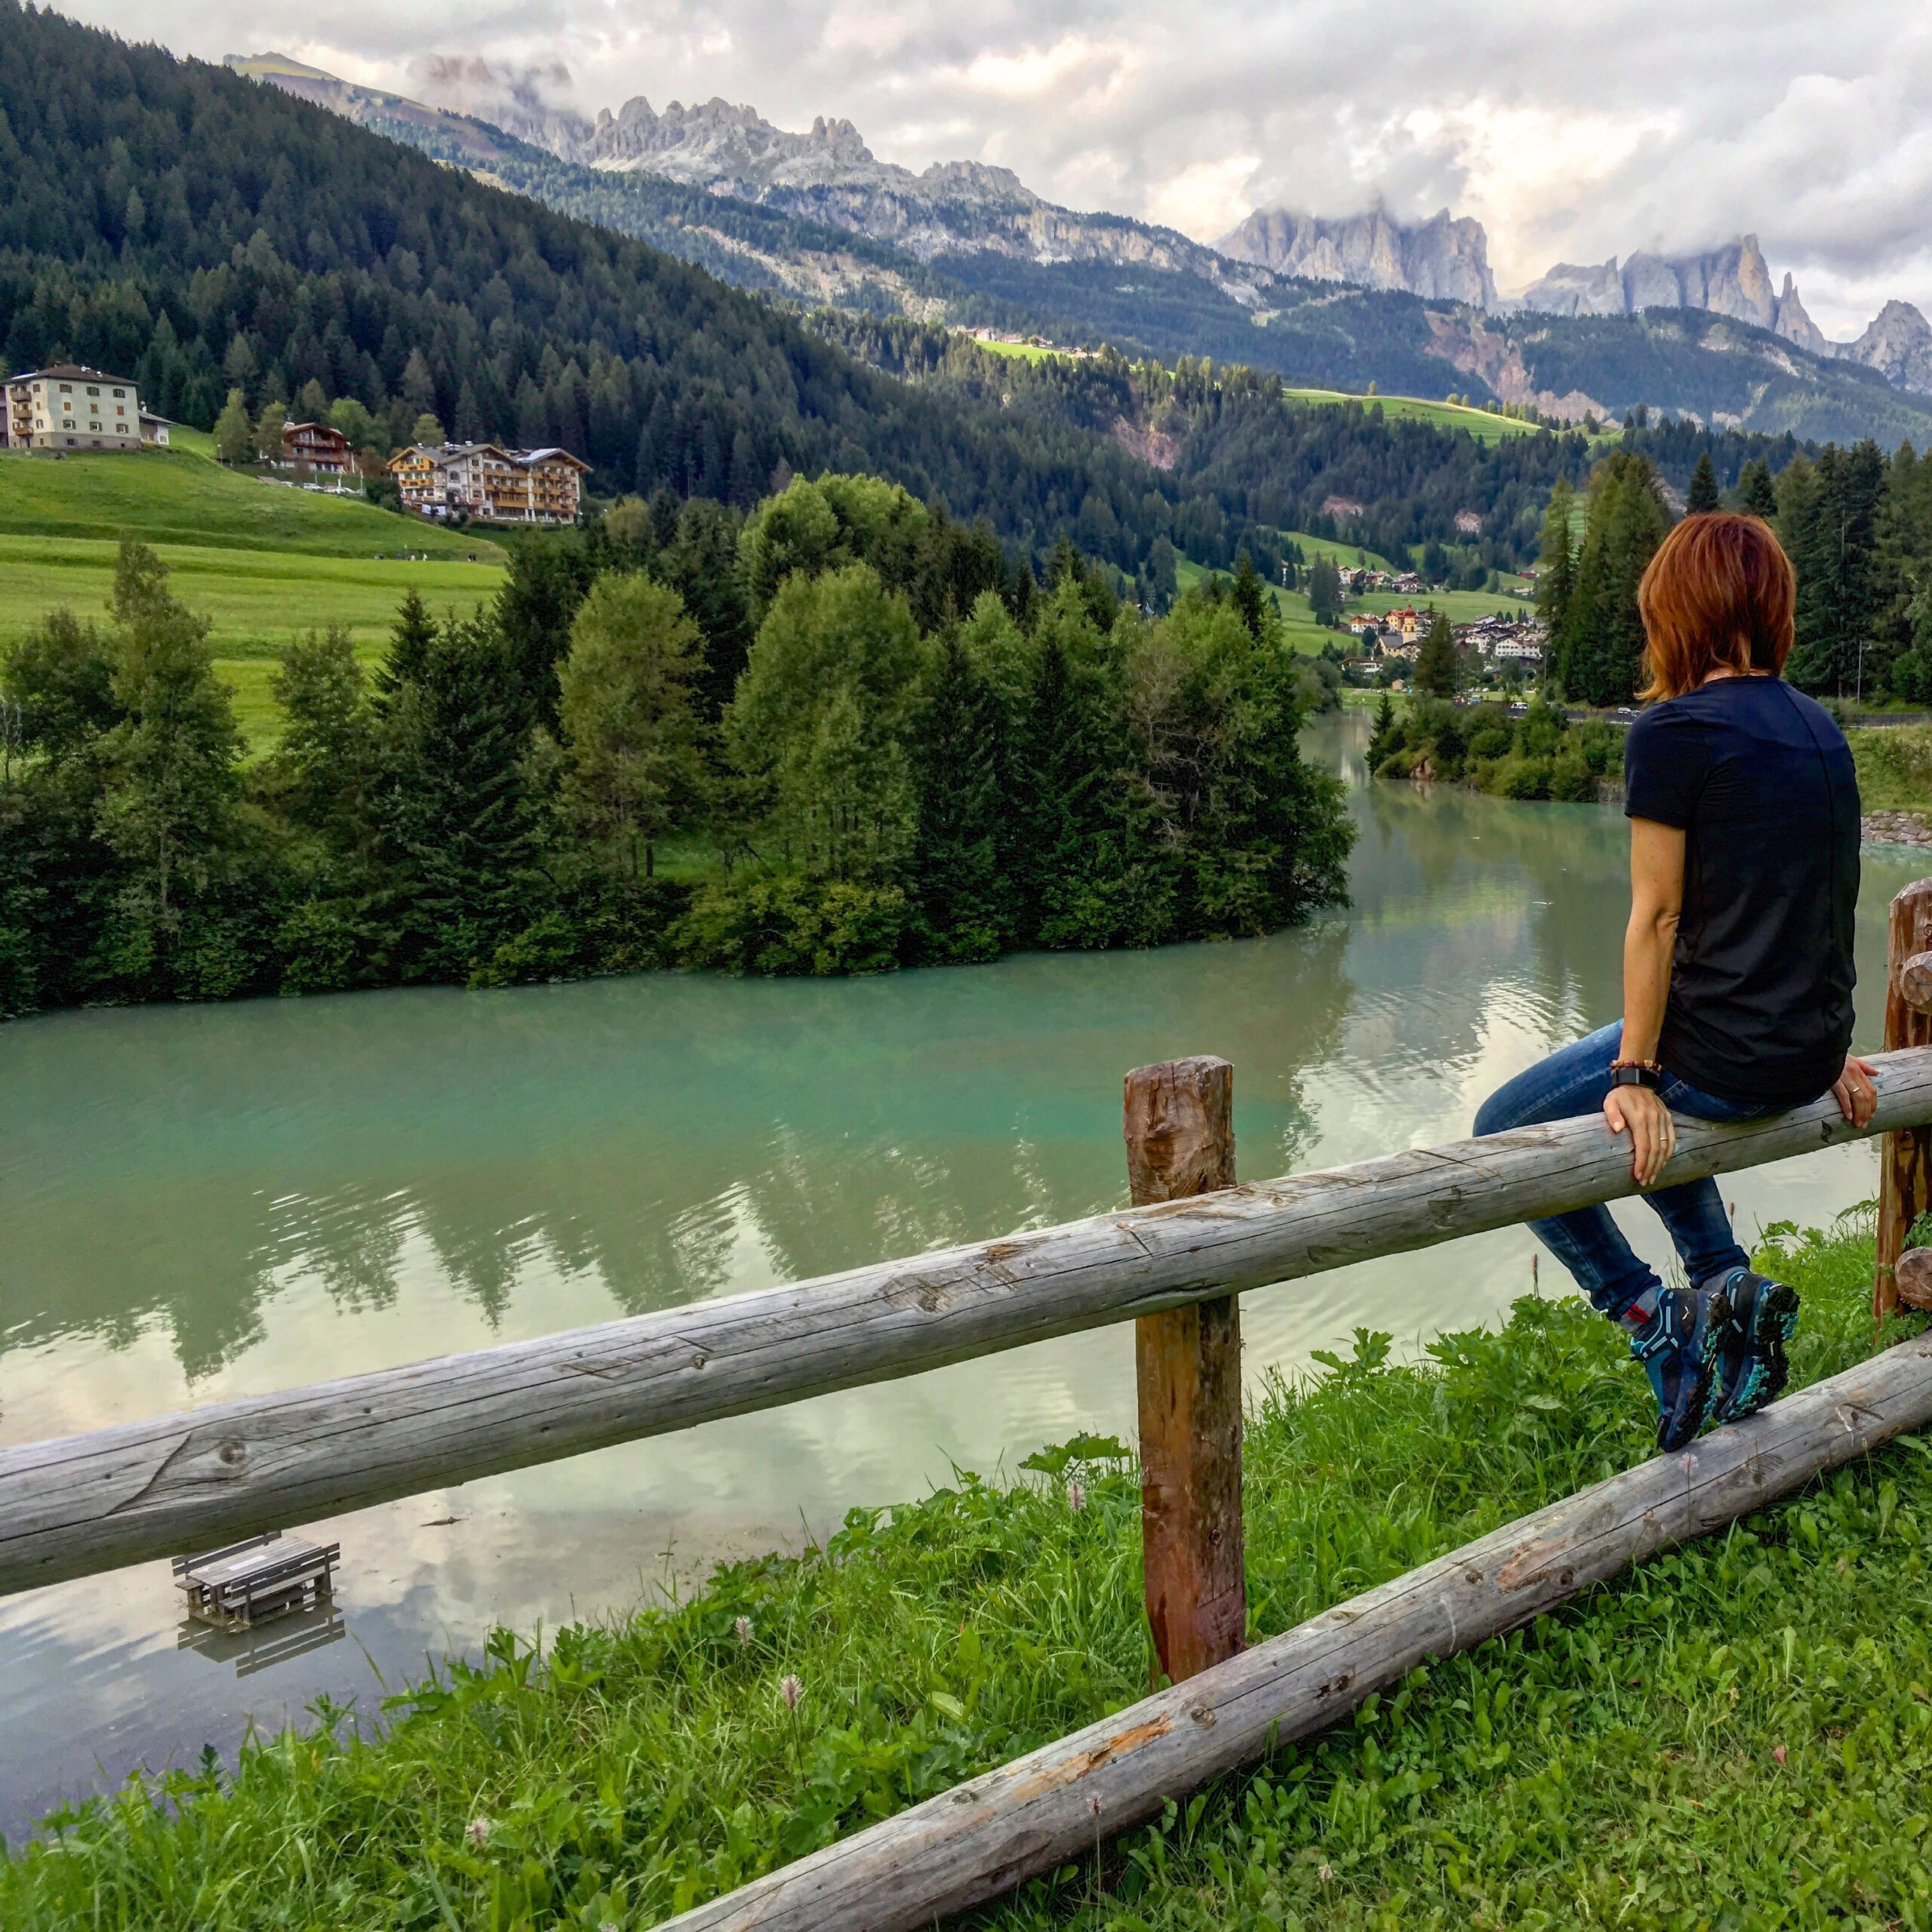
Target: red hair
1719,594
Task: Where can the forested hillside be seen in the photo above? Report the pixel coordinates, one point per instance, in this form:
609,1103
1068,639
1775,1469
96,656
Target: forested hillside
1856,524
1246,458
173,219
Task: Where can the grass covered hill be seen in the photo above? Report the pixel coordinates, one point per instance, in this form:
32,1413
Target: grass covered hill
202,232
181,496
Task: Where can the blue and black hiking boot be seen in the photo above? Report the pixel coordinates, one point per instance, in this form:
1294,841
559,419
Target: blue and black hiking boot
1751,1368
1679,1334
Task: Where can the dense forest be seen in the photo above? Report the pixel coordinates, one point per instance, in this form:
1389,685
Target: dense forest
840,734
1856,523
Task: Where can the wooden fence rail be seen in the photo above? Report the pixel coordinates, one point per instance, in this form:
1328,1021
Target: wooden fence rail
80,1504
987,1835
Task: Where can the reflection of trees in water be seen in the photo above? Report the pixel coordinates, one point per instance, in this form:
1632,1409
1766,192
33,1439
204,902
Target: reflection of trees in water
1438,857
830,1125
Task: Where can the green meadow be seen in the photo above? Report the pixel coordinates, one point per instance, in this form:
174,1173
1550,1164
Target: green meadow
1480,423
262,561
181,496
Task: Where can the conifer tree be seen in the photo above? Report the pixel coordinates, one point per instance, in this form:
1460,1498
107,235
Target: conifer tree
455,817
961,755
1385,730
1068,807
1438,669
1250,594
411,637
1829,522
1703,494
1602,644
1556,563
1757,495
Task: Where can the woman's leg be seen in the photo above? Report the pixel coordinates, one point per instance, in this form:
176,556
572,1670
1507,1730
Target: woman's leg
1570,1083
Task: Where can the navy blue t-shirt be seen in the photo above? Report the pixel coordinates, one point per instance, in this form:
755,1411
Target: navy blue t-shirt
1761,782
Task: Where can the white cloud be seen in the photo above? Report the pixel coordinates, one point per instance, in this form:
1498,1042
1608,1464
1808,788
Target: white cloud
1574,133
1205,198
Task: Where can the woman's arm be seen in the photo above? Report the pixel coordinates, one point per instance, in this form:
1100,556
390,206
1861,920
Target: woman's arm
1656,899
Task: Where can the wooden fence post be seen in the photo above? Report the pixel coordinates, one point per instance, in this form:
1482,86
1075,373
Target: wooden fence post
1904,1184
1180,1141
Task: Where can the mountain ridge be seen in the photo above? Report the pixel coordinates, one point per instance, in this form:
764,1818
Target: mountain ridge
816,219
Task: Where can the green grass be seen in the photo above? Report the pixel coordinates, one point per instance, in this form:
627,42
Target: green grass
1464,606
1480,423
1737,1734
1894,767
179,496
257,600
1026,351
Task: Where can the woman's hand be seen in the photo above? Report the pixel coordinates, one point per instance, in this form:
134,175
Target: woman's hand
1857,1098
1640,1111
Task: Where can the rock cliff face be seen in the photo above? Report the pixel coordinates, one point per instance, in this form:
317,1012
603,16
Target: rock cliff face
1733,281
826,174
1898,345
1445,259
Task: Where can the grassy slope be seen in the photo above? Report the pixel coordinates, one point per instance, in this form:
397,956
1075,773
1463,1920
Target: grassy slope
1485,427
180,497
1737,1734
261,561
1894,768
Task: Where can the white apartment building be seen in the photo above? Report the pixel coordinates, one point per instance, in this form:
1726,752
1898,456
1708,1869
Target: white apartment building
68,407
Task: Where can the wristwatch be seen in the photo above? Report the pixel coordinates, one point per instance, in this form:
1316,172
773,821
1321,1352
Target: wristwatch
1635,1073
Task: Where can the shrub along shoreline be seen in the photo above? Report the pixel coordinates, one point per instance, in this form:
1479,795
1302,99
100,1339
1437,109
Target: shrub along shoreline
1541,753
1736,1733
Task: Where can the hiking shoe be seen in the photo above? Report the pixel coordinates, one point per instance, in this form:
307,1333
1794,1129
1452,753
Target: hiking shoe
1750,1369
1678,1334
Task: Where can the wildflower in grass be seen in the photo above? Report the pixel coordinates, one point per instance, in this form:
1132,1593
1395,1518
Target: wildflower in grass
789,1690
478,1833
741,1629
1076,1497
1777,1754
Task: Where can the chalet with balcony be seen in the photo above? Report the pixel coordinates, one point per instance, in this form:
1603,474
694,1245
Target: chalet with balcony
323,449
489,482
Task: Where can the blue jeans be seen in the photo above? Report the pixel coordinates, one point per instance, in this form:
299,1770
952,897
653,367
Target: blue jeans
1587,1242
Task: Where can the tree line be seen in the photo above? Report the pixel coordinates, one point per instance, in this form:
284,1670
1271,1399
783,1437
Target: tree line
838,734
1856,523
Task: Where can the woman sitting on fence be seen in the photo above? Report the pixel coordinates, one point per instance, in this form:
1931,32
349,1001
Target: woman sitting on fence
1737,962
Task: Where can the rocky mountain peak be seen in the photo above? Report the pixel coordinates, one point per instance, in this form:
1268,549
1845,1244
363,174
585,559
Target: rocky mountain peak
1445,258
1898,344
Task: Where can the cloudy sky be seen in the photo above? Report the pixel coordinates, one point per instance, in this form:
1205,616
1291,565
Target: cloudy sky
1572,133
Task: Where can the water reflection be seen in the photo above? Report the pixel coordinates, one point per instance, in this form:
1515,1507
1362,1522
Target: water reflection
198,1202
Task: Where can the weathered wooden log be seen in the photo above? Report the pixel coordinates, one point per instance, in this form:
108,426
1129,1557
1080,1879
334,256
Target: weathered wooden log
1905,1178
1913,1274
84,1503
986,1836
1915,982
1179,1123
